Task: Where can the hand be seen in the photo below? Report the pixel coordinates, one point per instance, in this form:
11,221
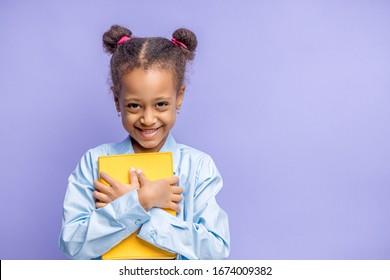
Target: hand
159,193
106,194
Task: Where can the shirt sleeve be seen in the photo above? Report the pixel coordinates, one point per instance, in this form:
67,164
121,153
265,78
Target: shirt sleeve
88,232
207,235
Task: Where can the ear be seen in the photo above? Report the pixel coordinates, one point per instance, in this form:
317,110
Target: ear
118,107
180,96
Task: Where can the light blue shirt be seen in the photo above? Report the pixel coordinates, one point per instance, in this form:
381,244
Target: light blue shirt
199,231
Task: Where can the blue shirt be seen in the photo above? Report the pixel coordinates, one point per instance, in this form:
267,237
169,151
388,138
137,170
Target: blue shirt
199,231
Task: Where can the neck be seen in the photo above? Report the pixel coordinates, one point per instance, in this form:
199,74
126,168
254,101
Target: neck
140,149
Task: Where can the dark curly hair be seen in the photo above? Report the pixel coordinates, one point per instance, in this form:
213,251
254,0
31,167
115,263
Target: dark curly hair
148,53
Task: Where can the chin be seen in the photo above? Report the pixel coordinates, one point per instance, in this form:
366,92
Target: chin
148,145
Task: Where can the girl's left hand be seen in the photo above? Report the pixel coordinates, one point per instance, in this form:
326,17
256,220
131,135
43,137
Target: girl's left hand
106,194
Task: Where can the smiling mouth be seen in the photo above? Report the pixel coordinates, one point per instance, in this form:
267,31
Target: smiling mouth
147,133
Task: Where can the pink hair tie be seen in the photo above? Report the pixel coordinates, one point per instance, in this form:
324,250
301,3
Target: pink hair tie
177,43
123,39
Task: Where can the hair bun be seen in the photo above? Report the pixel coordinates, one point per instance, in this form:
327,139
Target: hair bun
188,38
112,36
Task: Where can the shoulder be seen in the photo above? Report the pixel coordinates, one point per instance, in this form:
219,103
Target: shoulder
91,155
198,160
87,166
207,178
190,153
104,149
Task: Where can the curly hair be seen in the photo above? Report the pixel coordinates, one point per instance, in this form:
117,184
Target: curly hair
148,53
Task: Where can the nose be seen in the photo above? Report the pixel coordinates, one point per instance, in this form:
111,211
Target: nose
148,118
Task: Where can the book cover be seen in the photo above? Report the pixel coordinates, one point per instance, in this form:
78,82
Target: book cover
155,166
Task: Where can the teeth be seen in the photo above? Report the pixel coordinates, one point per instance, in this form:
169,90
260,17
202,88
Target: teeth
149,131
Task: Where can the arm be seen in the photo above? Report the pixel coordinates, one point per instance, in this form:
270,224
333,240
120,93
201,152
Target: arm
207,235
88,232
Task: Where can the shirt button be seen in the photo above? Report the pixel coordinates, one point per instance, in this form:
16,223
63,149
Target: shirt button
137,222
153,233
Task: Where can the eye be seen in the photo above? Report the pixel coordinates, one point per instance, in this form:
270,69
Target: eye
133,106
161,105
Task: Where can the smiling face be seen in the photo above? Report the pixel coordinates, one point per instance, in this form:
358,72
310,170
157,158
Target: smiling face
148,102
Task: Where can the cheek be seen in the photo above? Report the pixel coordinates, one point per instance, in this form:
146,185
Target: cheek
171,117
170,113
128,120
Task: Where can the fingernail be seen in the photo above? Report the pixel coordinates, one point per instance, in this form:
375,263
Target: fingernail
132,169
139,171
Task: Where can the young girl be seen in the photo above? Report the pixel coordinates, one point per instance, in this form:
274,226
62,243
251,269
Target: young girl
148,89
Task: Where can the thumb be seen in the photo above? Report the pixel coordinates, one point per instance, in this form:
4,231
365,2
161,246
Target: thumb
133,177
141,177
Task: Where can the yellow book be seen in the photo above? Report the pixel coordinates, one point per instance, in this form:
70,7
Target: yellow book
155,166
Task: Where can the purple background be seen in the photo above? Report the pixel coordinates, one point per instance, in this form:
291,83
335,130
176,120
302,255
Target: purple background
290,98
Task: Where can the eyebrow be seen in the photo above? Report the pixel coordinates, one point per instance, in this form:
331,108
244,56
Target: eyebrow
139,99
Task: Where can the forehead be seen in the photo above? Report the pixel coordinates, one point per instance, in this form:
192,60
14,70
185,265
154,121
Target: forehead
142,83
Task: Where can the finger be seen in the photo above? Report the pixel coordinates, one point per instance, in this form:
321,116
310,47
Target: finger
176,198
101,187
172,180
174,207
134,178
177,189
111,181
101,197
100,204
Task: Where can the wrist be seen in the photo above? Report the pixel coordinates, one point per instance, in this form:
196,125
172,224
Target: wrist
143,200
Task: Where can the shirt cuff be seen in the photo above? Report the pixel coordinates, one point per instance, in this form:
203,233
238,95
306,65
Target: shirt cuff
158,229
129,211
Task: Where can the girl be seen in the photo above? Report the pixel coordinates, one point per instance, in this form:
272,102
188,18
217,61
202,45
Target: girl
148,89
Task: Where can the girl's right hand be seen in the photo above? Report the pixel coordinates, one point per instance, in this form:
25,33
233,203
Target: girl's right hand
159,193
